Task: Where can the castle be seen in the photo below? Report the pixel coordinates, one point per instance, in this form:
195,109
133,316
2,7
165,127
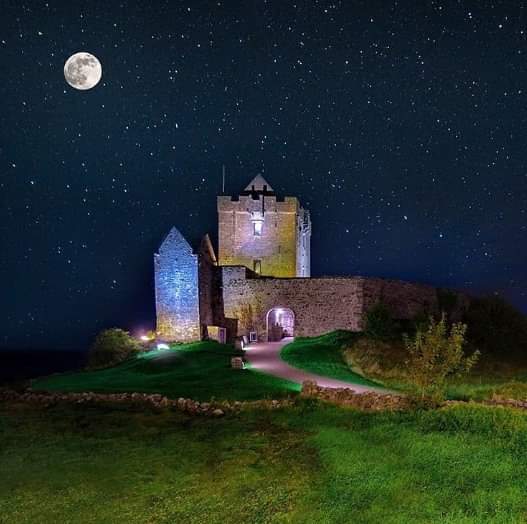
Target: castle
259,283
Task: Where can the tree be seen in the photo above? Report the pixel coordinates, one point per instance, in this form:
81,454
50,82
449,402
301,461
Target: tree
436,354
110,347
379,322
496,327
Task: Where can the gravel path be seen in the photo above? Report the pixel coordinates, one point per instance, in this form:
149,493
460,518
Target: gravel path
265,357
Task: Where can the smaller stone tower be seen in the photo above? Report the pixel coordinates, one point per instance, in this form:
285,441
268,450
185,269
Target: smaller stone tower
177,289
269,235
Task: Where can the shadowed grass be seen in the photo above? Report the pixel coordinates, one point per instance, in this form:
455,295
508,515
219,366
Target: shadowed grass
200,370
310,463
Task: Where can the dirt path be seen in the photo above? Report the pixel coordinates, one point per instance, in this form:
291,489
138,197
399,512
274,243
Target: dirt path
265,357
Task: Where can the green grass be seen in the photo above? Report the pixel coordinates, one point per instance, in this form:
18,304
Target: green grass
199,371
308,464
323,355
343,355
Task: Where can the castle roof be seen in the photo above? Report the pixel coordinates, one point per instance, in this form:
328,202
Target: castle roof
258,183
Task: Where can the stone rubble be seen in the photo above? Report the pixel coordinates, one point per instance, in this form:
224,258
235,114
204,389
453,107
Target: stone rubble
369,401
155,401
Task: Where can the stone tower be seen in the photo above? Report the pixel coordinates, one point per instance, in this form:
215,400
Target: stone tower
177,289
269,235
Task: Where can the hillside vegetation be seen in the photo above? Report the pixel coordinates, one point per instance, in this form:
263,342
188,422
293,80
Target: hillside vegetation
379,355
199,370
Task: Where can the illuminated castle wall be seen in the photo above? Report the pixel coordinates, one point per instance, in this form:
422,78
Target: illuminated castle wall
264,247
268,235
177,289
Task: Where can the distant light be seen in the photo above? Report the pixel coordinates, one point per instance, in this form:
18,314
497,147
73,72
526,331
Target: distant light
163,346
144,338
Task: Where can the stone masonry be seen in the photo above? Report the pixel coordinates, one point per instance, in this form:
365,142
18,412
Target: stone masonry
263,266
176,286
322,304
258,230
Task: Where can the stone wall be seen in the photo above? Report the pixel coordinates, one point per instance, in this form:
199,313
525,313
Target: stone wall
319,304
176,289
142,400
207,282
275,247
322,304
367,401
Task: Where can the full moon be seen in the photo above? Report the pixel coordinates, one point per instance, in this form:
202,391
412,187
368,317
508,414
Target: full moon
82,71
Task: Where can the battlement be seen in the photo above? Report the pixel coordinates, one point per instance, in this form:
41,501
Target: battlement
268,234
248,204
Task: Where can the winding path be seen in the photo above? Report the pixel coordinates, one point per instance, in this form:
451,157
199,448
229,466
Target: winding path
265,357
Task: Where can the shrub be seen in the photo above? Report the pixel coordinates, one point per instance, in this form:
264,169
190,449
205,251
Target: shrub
437,354
110,347
379,323
496,327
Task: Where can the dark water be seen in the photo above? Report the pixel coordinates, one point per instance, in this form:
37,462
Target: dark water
21,364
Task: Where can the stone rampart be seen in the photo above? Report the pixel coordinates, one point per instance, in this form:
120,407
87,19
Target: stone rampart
322,304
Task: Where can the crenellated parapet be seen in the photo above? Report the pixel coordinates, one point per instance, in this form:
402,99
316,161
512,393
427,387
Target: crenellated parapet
269,235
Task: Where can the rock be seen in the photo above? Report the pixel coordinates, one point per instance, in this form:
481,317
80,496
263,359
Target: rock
236,363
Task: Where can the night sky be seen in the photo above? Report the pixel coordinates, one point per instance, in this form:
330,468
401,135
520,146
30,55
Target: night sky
400,125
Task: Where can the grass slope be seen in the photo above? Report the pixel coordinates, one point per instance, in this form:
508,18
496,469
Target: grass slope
304,465
323,355
199,371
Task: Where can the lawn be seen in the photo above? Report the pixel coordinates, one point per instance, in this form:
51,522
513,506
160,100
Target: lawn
323,355
200,371
306,464
353,356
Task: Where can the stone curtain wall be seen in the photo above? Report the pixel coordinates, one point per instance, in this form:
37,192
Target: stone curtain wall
208,288
323,304
277,245
176,288
319,304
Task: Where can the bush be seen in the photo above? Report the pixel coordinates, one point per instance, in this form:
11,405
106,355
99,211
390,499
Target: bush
110,347
379,323
496,327
437,354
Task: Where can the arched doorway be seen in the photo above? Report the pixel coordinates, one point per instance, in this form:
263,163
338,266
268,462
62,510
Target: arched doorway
280,323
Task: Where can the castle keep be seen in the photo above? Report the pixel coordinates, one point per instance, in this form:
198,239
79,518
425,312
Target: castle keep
259,285
258,231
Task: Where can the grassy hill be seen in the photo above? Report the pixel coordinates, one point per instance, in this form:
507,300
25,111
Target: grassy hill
324,356
200,371
356,357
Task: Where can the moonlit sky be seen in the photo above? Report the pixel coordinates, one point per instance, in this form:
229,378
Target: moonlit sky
400,125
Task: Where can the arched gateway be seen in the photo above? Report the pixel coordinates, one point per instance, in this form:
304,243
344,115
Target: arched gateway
280,323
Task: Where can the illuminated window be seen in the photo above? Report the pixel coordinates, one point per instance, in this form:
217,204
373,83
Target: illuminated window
257,225
257,218
257,266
